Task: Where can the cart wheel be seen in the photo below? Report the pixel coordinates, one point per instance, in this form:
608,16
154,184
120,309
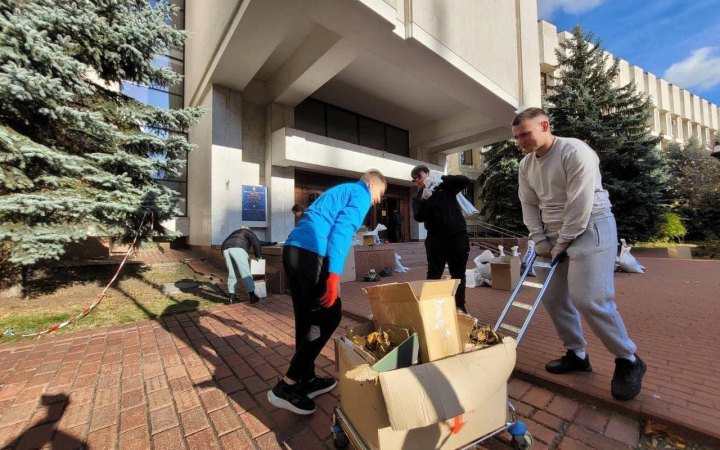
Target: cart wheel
340,440
523,442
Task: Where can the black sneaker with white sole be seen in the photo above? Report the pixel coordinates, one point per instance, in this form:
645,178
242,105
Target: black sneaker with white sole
291,398
318,385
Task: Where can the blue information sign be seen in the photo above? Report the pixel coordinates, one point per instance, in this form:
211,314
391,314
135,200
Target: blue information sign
253,204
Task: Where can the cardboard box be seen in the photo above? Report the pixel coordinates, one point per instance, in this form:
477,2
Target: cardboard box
505,272
424,307
417,406
368,240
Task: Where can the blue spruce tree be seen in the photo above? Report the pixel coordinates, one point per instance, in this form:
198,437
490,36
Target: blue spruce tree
74,152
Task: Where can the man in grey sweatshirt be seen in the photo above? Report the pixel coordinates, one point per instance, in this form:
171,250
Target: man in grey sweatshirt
567,210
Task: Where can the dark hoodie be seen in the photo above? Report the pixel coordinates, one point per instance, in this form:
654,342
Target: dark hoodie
243,238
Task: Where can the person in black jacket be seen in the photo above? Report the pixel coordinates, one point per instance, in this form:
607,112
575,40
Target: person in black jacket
447,237
235,250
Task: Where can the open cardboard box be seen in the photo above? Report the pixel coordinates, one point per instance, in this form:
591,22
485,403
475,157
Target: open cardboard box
425,307
441,404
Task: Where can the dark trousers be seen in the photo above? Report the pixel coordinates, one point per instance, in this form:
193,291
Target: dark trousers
453,250
307,274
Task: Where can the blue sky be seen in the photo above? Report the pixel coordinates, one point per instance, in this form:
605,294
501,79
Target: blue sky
678,40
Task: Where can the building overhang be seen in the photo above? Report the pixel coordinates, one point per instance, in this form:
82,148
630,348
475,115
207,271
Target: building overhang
295,148
407,65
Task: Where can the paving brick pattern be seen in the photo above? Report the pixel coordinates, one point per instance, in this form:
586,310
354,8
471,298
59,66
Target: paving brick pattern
199,380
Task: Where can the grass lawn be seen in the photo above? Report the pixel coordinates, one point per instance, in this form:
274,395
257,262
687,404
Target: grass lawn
54,295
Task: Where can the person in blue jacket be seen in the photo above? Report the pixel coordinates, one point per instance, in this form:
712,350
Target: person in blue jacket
313,259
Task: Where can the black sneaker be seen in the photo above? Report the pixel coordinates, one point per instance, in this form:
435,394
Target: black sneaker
317,386
569,363
289,397
627,379
253,298
231,298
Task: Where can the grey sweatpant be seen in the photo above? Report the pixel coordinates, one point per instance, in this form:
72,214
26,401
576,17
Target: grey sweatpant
584,284
238,265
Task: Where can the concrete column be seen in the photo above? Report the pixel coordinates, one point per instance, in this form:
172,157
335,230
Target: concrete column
281,180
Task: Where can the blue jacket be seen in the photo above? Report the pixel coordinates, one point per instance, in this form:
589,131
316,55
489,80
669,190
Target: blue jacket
329,224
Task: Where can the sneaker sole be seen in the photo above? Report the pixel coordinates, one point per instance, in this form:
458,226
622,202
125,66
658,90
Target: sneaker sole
322,391
284,404
633,394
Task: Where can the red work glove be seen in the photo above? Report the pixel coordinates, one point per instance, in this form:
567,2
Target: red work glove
331,291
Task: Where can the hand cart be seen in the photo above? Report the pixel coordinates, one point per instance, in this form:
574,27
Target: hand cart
344,433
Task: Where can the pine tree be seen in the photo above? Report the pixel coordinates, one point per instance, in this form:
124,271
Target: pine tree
74,154
499,187
695,189
585,104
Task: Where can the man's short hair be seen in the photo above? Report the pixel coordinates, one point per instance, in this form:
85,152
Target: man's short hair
376,176
528,114
298,207
417,169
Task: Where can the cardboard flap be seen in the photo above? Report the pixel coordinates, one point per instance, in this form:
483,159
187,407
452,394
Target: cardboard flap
392,292
429,290
440,390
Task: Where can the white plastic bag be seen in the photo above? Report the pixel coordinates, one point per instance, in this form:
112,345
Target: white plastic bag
527,257
399,266
433,180
467,208
482,263
471,278
260,289
627,262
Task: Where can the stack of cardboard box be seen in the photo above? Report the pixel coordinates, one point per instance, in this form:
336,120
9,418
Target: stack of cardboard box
455,394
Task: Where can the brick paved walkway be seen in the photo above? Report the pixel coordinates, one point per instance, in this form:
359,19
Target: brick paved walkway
198,380
672,314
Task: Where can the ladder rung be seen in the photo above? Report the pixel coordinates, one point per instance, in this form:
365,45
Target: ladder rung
544,265
522,305
512,328
533,284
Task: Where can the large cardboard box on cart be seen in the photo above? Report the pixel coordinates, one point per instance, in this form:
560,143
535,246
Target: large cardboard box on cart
441,404
449,400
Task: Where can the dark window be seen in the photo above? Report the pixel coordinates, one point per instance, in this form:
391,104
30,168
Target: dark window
398,141
371,133
310,117
320,118
466,158
342,125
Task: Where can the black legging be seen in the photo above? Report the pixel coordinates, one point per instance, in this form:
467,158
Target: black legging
307,274
453,250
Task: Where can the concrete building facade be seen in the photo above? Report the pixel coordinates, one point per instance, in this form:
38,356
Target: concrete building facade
303,94
678,114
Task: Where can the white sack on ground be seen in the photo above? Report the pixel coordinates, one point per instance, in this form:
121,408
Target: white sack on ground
627,262
399,266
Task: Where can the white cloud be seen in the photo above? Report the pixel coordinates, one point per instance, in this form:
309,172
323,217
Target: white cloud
546,8
701,69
